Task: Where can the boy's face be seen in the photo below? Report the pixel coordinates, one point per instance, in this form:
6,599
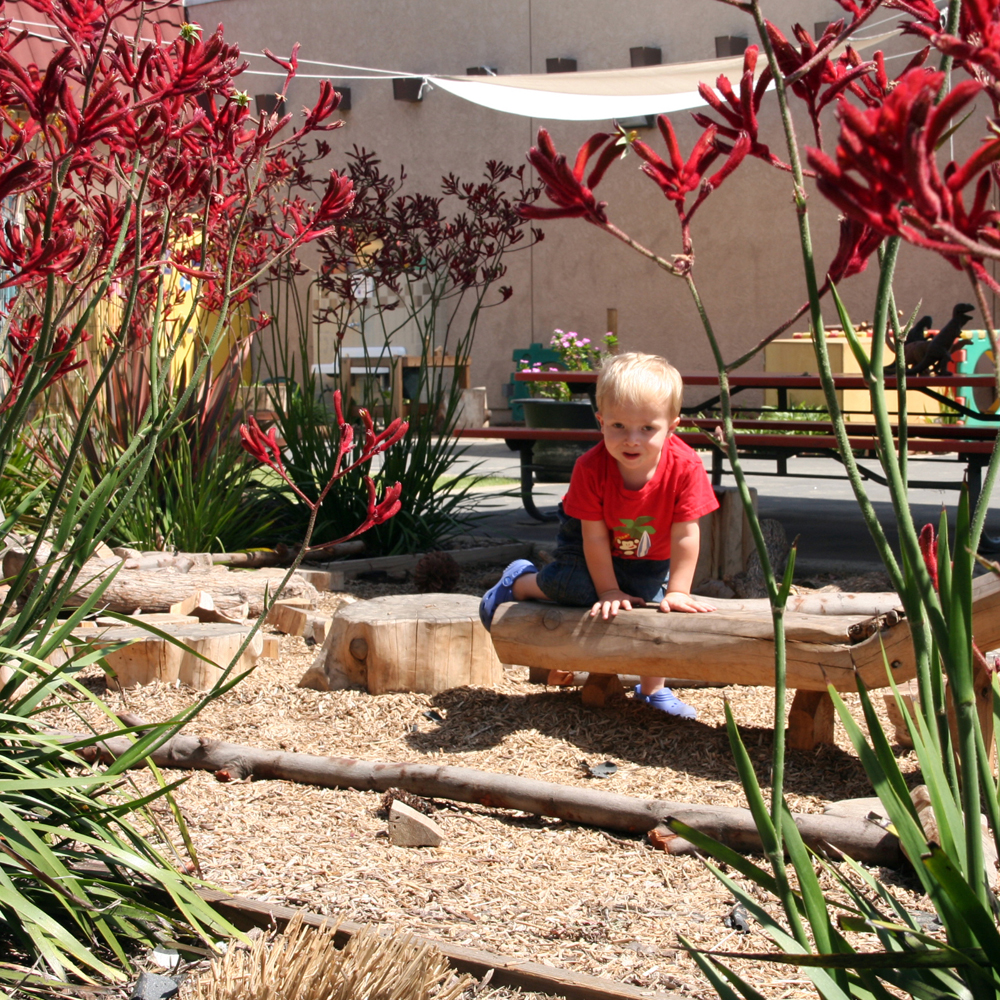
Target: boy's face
635,435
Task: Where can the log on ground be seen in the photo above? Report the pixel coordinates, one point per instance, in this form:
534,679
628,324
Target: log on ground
158,590
862,841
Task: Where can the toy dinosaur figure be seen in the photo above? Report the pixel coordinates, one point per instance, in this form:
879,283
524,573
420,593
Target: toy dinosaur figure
915,335
924,355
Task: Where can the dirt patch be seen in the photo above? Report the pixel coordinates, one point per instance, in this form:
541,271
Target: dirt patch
503,881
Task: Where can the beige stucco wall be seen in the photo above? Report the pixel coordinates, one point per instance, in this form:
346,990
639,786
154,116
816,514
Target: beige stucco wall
748,263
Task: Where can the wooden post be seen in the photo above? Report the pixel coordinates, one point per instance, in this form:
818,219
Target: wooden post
602,690
810,720
396,381
982,682
345,383
613,321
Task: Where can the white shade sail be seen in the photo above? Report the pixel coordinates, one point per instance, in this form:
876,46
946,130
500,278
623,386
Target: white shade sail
594,96
603,94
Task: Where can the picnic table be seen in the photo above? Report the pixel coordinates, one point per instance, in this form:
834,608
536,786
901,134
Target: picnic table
777,440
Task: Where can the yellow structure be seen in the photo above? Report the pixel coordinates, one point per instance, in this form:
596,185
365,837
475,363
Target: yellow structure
795,356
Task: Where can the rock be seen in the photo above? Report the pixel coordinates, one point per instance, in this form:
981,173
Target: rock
862,808
150,986
751,582
855,808
714,588
921,798
408,828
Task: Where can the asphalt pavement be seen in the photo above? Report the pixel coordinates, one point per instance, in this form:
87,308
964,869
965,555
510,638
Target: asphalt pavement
821,512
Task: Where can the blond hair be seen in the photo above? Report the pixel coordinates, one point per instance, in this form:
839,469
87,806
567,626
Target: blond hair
637,379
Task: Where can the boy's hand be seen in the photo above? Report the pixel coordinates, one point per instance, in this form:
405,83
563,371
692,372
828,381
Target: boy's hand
610,602
677,601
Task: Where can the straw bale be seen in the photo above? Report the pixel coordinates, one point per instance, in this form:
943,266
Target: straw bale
525,887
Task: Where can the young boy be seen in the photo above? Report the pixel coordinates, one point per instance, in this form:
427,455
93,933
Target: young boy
629,521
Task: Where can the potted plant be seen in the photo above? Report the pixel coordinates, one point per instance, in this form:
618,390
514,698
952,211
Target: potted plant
554,404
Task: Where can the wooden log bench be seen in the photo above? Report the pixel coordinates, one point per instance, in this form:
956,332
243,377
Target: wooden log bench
735,645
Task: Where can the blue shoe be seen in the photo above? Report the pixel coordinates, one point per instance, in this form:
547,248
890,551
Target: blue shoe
503,591
666,701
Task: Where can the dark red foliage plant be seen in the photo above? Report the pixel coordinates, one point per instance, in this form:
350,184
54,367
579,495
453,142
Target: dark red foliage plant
405,266
137,222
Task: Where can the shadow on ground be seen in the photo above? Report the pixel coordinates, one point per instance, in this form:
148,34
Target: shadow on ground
476,719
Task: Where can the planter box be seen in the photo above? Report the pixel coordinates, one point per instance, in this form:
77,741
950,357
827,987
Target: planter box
575,414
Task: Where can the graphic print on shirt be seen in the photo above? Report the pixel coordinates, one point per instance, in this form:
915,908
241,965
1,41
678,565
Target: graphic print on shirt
636,541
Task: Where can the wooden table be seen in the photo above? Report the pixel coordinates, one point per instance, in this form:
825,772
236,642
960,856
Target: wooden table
380,363
927,384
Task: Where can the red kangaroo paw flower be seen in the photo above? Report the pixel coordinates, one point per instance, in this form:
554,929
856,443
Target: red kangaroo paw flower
316,117
739,113
886,175
389,506
858,9
291,65
263,447
19,177
928,549
677,179
337,199
921,10
565,186
857,243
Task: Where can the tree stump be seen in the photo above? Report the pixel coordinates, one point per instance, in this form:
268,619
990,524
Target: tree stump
421,642
158,590
149,658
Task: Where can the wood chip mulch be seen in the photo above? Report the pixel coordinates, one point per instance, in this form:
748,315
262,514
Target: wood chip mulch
521,886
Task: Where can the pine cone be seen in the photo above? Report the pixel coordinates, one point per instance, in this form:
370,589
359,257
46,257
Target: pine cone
436,573
422,805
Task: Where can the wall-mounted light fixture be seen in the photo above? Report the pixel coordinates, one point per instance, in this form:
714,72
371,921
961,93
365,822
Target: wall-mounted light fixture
345,98
408,88
560,65
639,121
270,104
481,71
819,27
645,56
729,45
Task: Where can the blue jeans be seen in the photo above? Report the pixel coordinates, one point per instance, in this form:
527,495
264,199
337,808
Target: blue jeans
566,580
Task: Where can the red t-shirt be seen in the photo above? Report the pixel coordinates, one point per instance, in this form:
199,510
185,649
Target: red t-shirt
639,521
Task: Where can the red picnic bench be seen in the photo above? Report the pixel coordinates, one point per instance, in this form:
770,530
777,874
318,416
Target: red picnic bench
762,438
